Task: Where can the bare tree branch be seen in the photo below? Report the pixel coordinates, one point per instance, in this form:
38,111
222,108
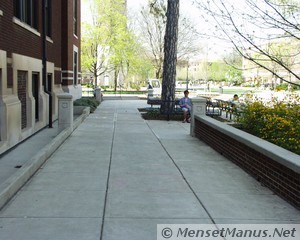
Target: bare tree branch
253,28
152,31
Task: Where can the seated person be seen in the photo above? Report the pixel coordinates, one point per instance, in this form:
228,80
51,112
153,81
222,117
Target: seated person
234,103
209,102
185,104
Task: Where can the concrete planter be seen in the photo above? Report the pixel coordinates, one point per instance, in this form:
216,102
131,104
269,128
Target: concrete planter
273,166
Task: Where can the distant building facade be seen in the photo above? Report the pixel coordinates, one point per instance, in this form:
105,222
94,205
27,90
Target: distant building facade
24,89
285,51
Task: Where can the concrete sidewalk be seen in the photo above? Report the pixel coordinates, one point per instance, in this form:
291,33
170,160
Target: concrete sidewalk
118,176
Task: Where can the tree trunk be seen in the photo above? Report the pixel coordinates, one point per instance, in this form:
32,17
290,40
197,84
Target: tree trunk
170,58
95,74
116,74
95,79
115,80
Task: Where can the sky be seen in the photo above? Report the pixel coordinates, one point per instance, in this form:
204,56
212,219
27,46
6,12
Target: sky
135,5
185,5
188,9
214,48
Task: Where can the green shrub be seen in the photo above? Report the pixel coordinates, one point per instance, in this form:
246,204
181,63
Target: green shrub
282,87
88,85
277,121
104,88
86,101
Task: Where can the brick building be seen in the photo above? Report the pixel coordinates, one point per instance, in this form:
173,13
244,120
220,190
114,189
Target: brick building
33,34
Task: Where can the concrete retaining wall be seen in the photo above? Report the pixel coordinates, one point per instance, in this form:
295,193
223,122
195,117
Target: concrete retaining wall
79,110
273,166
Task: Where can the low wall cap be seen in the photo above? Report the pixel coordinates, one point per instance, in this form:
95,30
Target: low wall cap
65,96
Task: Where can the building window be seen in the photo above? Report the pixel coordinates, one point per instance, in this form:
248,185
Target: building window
26,11
75,68
1,113
1,82
49,82
22,94
35,93
49,18
49,88
75,17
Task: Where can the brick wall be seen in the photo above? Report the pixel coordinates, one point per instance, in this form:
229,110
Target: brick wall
31,44
279,178
68,37
19,40
57,77
22,94
10,41
54,50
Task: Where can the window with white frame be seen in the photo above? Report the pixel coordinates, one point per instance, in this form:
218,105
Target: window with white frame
1,82
48,17
26,11
75,16
1,97
75,66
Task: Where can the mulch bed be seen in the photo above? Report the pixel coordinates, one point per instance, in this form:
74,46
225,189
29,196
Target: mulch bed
153,114
162,117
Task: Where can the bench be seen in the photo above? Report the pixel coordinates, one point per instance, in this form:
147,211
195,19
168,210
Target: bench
212,108
229,108
153,101
157,101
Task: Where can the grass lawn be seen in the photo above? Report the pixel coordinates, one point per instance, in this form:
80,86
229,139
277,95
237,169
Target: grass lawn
234,90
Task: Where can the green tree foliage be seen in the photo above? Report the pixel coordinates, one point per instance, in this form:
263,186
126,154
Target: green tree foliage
107,44
277,121
221,71
95,47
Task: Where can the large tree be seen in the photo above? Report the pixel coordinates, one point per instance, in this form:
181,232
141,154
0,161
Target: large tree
95,41
107,44
152,28
257,29
170,58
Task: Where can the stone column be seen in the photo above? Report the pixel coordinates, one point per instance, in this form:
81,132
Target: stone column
198,108
65,111
98,94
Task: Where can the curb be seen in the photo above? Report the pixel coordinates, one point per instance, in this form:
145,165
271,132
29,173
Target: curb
15,182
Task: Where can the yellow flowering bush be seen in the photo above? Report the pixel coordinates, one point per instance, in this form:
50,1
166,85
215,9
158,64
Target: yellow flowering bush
277,121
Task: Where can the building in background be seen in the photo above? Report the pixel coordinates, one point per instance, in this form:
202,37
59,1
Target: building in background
287,55
24,89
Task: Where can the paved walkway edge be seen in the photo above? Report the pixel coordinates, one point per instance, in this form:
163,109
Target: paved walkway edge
13,184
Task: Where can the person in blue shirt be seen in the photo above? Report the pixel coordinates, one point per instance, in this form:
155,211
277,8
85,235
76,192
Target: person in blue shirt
234,103
185,104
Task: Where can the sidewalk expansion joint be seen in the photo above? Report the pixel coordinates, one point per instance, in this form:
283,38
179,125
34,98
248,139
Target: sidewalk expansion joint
108,174
182,175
